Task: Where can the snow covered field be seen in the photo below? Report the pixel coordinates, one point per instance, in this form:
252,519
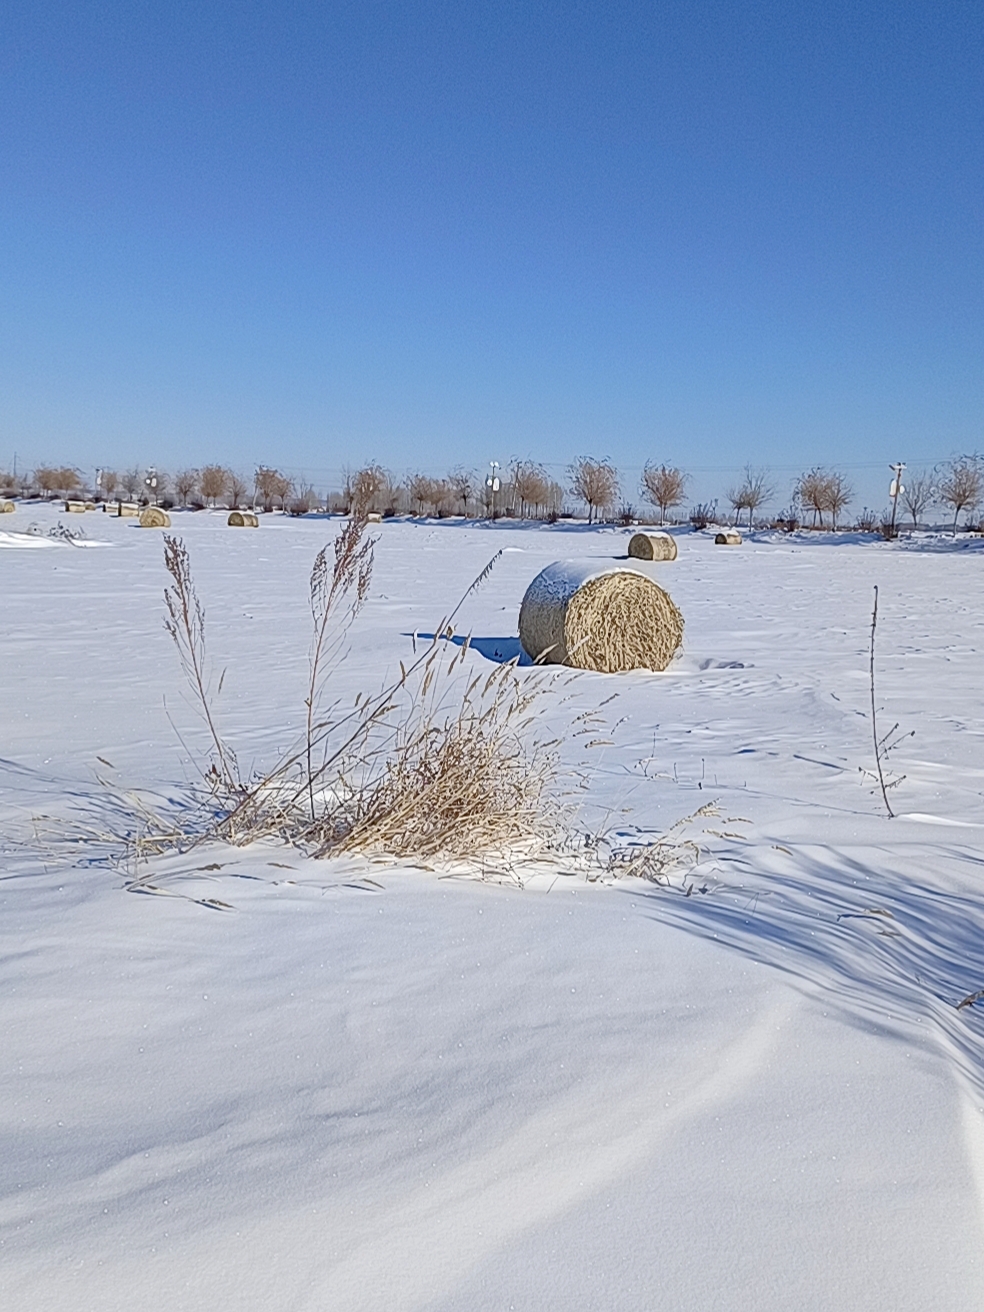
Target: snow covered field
416,1093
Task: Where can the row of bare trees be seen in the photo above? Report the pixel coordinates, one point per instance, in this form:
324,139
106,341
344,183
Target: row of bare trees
957,484
526,490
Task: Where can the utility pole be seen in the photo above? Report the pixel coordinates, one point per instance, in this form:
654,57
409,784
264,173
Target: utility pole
896,489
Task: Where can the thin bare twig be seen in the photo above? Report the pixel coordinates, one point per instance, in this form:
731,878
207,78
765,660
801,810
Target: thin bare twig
879,745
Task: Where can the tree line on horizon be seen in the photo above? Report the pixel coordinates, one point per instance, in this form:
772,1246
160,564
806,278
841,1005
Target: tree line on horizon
819,496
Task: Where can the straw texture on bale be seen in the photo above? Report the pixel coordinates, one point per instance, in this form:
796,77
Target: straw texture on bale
606,619
75,507
243,519
653,546
129,508
6,507
729,538
154,517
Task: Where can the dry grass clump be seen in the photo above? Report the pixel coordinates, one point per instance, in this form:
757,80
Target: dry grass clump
154,517
609,621
447,784
730,537
653,546
436,766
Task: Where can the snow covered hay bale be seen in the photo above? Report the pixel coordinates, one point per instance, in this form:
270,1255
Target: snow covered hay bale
608,619
730,537
243,519
653,546
6,507
154,517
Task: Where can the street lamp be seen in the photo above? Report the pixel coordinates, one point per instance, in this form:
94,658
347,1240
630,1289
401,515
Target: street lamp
492,483
895,489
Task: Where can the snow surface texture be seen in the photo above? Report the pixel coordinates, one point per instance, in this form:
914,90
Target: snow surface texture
366,1087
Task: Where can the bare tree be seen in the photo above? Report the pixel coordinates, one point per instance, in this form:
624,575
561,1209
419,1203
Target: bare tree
918,493
462,485
51,480
531,486
440,496
213,481
185,484
131,482
364,487
663,486
736,499
420,491
267,487
237,490
595,482
961,485
810,491
838,495
46,478
824,489
108,482
753,491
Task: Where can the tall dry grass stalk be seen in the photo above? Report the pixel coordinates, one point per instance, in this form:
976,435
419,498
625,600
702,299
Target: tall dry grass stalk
185,622
344,589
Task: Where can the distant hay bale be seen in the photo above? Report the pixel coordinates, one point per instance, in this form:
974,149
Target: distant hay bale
374,517
129,509
6,507
607,619
154,517
75,507
243,519
653,546
730,537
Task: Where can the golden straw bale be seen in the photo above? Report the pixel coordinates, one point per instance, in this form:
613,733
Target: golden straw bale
730,537
154,517
607,619
7,507
243,519
129,509
653,546
75,507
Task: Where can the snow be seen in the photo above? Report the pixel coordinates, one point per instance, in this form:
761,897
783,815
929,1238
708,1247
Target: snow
369,1086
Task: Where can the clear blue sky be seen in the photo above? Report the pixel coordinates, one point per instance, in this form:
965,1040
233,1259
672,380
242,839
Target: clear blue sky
312,234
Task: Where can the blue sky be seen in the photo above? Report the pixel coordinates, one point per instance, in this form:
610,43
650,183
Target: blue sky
313,234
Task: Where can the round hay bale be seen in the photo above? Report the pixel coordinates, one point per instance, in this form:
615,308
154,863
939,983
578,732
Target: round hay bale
154,517
653,546
607,619
730,537
243,519
6,507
